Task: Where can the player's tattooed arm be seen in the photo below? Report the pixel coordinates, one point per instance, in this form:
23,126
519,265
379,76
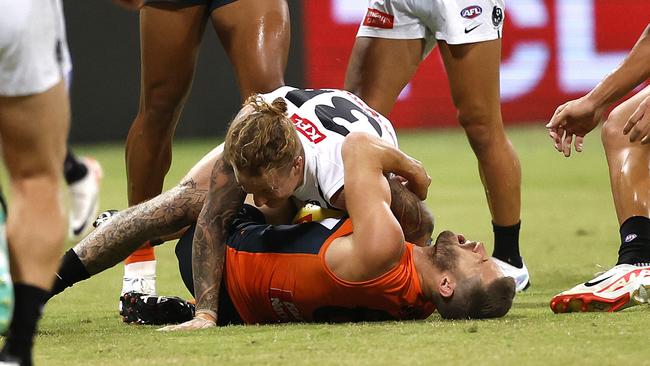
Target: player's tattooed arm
225,198
414,217
163,215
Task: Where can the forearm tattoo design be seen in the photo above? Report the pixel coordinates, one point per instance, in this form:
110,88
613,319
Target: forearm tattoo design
414,218
225,198
163,215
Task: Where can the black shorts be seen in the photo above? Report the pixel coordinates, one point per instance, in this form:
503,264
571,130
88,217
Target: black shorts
212,4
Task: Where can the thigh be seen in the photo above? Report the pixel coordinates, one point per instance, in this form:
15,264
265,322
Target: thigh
34,130
473,73
379,68
170,35
623,111
256,35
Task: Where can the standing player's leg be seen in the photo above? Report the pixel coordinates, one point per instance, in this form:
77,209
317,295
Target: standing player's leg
34,130
380,68
473,72
630,179
256,36
170,36
628,283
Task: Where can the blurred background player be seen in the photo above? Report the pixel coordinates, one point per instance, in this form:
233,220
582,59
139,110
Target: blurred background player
34,122
393,39
625,136
254,33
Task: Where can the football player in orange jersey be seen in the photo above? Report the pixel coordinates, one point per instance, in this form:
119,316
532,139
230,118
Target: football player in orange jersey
332,272
337,275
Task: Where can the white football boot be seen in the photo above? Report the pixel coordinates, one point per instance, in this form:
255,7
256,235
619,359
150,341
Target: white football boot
621,287
520,275
84,198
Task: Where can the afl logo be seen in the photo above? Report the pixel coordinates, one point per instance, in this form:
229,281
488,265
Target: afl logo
471,12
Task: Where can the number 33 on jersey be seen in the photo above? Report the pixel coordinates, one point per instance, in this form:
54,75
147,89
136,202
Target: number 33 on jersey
322,118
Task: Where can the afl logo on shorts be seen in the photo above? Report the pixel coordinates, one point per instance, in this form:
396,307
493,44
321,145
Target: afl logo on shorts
497,16
471,12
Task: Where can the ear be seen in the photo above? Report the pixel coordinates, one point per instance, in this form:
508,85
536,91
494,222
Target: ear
446,285
298,162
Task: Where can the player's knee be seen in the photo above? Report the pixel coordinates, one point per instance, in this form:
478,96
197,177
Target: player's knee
481,126
162,103
612,130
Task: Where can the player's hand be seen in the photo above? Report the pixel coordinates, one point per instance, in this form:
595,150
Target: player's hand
638,125
419,181
571,122
202,320
130,4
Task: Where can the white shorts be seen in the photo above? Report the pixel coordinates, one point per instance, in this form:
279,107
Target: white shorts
452,21
33,49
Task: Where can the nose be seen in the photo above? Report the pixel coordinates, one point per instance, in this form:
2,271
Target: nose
480,249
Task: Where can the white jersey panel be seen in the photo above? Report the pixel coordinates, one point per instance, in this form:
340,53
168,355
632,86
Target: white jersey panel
323,117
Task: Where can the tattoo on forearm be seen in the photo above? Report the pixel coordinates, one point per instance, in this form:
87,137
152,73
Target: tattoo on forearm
163,215
225,198
412,214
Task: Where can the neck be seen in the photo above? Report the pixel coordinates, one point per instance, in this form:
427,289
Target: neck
428,274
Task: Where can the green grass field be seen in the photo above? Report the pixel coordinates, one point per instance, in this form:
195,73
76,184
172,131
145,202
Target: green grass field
568,229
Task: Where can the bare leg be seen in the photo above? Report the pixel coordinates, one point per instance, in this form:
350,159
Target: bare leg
629,164
473,71
170,38
163,215
34,130
380,68
256,35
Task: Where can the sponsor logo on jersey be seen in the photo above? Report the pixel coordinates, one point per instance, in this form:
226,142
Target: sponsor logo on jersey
378,19
471,12
307,128
283,306
497,16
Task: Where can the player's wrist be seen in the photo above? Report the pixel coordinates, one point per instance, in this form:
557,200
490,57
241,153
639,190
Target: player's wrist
206,314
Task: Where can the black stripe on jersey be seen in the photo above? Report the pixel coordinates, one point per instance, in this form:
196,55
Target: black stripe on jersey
250,234
299,96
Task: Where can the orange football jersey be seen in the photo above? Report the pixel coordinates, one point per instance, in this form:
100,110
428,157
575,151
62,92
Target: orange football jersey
278,274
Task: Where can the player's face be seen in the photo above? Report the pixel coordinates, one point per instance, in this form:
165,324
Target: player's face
271,188
471,257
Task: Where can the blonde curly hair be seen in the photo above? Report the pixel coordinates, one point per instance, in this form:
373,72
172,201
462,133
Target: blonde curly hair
262,141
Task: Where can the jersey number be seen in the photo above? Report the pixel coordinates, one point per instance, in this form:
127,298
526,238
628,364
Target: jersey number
341,108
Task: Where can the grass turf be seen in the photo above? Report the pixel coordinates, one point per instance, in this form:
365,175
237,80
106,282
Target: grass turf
568,227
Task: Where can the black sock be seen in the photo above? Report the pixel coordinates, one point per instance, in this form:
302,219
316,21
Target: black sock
70,272
635,241
73,169
506,244
27,312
